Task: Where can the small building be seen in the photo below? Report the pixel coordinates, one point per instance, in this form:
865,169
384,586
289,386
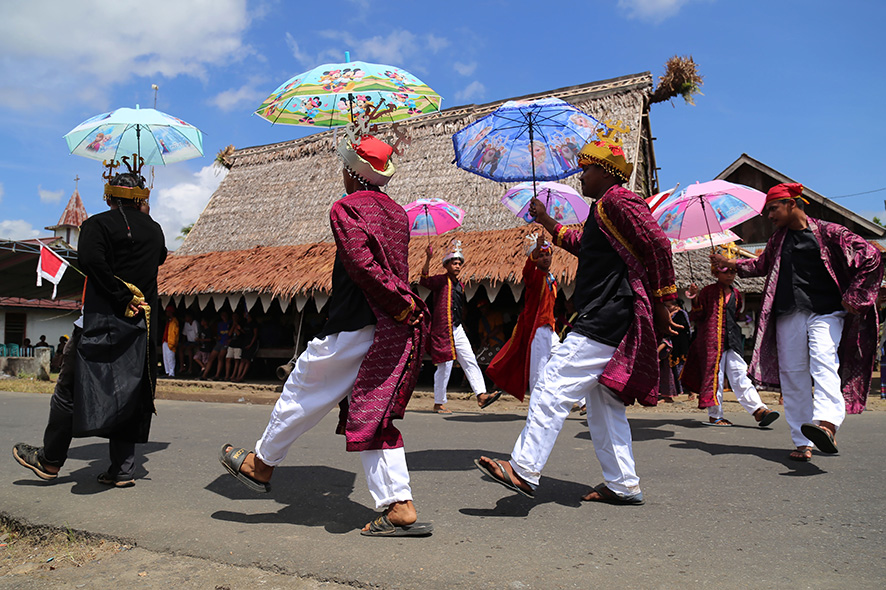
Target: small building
68,226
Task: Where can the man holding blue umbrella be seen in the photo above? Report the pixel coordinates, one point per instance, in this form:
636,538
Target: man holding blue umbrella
624,293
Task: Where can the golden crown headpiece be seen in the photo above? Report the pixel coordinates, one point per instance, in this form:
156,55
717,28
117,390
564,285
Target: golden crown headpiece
139,195
606,151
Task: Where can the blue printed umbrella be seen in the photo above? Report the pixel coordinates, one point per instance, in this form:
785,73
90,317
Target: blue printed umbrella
155,136
525,140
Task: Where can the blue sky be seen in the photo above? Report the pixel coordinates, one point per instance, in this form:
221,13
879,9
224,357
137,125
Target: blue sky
797,84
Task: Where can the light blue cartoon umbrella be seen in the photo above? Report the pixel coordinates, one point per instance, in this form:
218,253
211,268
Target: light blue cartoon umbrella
155,136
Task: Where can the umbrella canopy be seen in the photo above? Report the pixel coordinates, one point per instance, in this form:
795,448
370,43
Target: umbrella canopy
331,94
525,140
699,242
563,203
155,136
433,217
707,208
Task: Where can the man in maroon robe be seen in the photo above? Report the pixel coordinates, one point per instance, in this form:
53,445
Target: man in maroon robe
369,351
818,319
624,283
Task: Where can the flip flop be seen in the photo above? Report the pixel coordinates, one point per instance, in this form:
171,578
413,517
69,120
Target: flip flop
804,455
490,400
821,438
504,480
383,527
721,423
768,418
232,459
607,496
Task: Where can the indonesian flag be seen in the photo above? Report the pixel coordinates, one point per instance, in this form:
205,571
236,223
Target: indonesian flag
659,199
51,267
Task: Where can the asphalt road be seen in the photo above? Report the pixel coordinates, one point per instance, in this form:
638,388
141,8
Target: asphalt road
725,508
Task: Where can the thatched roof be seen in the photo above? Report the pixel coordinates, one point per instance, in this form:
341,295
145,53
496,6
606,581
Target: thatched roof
280,194
296,273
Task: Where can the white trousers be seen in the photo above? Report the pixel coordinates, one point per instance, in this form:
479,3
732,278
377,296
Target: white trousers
168,360
807,356
543,344
464,354
732,365
323,375
571,375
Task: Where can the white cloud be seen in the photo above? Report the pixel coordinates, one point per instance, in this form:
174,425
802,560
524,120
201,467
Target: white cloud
465,69
47,196
393,49
651,10
473,90
78,49
179,205
248,95
17,229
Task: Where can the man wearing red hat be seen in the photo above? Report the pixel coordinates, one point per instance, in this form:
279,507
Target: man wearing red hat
818,319
369,352
624,293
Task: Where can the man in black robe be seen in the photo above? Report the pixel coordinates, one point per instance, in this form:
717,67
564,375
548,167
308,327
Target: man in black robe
109,367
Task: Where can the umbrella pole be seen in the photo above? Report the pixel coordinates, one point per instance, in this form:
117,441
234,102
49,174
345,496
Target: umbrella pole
428,221
706,224
532,156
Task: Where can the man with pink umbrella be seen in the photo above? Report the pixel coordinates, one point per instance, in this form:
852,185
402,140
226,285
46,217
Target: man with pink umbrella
817,328
624,292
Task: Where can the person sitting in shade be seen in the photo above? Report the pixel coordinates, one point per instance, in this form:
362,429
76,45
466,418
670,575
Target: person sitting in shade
448,341
716,353
170,341
520,362
817,329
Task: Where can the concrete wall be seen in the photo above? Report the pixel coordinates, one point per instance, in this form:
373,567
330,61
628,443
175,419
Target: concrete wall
51,323
38,365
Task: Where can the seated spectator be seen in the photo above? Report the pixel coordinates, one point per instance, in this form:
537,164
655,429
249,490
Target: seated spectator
42,343
250,346
235,346
205,343
55,363
220,350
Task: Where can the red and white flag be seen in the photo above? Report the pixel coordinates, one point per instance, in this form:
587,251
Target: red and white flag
655,201
50,267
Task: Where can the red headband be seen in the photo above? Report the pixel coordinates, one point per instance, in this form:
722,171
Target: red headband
790,190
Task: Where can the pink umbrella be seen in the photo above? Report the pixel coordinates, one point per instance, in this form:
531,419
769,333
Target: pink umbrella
433,217
708,208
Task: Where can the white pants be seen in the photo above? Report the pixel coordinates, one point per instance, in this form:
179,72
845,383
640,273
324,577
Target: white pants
807,355
324,374
465,357
168,360
571,375
543,344
732,365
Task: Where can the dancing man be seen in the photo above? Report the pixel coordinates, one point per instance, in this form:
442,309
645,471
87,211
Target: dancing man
717,352
369,351
818,320
520,361
448,340
624,283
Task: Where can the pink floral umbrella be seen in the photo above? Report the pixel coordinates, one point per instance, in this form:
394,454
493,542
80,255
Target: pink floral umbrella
433,217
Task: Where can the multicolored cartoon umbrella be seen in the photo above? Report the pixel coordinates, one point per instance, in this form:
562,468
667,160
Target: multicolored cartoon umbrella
330,95
707,208
433,217
563,202
525,140
155,136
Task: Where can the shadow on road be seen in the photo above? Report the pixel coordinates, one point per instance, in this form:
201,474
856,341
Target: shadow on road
312,496
85,478
779,456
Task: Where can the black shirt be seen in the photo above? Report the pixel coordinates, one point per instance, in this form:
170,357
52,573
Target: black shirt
348,309
603,296
733,331
458,302
803,280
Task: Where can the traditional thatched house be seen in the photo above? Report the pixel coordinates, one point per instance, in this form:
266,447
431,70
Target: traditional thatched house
265,233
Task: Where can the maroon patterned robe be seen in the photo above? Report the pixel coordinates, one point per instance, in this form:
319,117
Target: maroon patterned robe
372,235
441,345
701,372
625,220
856,267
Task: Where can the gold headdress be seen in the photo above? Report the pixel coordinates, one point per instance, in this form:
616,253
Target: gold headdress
606,151
133,193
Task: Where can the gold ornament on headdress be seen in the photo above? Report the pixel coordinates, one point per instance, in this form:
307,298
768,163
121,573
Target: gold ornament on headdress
139,195
606,151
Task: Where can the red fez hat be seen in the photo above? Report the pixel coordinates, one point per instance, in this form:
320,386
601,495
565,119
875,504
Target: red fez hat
375,151
788,190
